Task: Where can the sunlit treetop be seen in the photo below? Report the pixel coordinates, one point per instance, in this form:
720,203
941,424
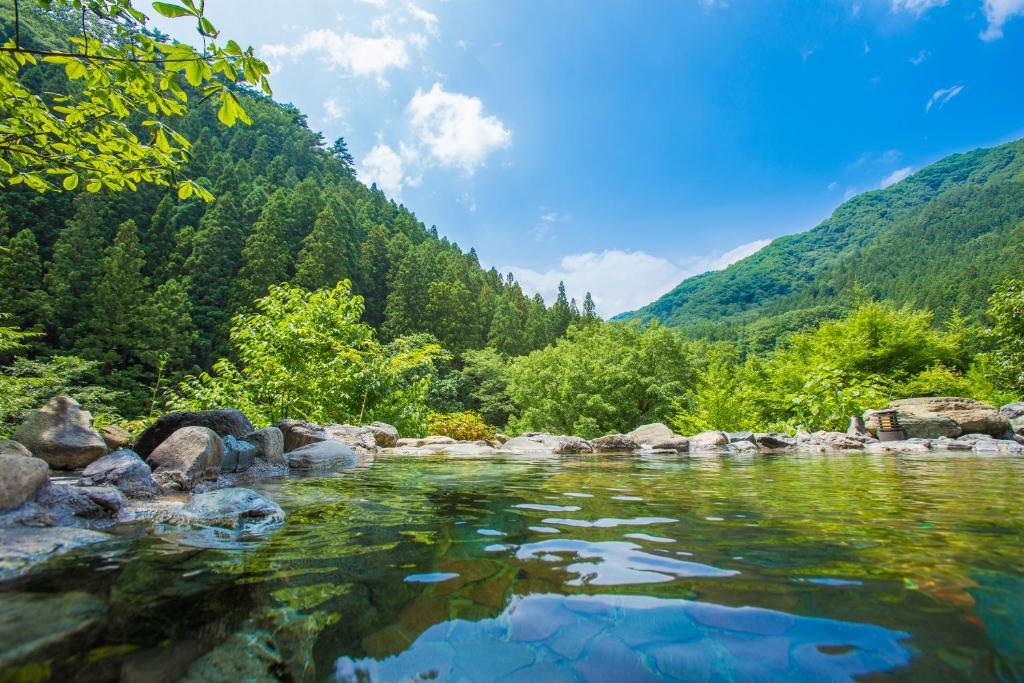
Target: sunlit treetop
108,127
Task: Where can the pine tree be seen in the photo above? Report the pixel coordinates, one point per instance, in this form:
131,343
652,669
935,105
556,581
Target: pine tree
21,279
589,309
560,315
372,274
328,253
340,152
159,237
507,333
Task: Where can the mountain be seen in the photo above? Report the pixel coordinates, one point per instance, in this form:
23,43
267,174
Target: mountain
938,239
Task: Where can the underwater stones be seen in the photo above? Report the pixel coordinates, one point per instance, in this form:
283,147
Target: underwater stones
61,433
385,434
238,455
187,457
322,454
21,547
229,508
612,443
224,422
115,437
35,627
537,442
21,478
709,440
123,469
269,443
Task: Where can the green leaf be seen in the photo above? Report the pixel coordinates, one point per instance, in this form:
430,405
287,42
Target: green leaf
171,11
71,182
184,190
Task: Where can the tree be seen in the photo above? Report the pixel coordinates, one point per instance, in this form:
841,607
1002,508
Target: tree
21,279
124,80
340,152
328,253
1006,311
560,315
589,309
506,334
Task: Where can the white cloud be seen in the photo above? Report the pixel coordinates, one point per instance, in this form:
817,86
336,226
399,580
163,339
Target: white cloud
711,4
360,55
333,110
383,166
998,12
546,221
832,186
920,58
942,96
896,176
428,18
918,7
454,129
375,3
622,280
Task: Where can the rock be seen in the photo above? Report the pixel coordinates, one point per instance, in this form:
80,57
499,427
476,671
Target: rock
359,439
650,434
1013,410
708,441
896,447
385,435
742,446
921,417
61,433
436,441
459,449
238,455
123,469
946,444
835,440
322,454
919,426
21,478
501,438
997,446
856,427
537,442
187,457
21,548
115,437
774,440
69,504
679,444
299,433
224,422
269,443
614,443
231,508
36,628
9,447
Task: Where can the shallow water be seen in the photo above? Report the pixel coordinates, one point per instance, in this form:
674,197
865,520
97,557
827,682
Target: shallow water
780,567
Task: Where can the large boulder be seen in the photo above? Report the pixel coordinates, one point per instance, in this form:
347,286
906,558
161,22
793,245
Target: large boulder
707,441
835,441
650,434
537,442
269,443
614,443
116,437
11,447
230,508
21,548
932,417
224,422
322,454
360,439
238,455
774,440
123,469
187,457
298,433
385,434
1014,412
21,478
61,433
40,628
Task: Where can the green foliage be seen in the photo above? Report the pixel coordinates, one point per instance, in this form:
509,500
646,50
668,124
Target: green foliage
1006,311
465,426
937,380
484,373
720,398
830,396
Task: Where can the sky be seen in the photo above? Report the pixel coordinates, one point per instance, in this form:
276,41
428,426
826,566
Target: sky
623,146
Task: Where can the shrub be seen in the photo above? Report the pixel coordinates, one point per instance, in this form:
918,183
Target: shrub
467,426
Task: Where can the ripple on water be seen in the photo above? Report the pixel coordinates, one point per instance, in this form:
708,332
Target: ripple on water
548,508
430,577
578,495
626,498
545,530
648,537
609,522
490,532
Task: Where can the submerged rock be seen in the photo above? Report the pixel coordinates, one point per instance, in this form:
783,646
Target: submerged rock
612,443
21,548
322,454
123,469
61,433
187,457
21,478
230,508
225,422
269,443
536,442
37,627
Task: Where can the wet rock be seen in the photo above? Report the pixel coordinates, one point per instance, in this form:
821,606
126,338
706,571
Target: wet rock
997,446
947,444
1012,410
189,456
72,505
229,508
225,422
537,442
774,440
455,449
10,447
743,446
650,434
736,437
436,441
299,433
614,443
269,443
385,434
897,447
708,441
38,627
360,439
61,433
238,455
21,548
123,469
322,454
833,441
116,437
21,478
921,416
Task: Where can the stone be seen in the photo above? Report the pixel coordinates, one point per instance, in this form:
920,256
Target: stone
238,455
322,454
919,417
919,426
385,435
11,447
436,441
896,447
188,456
835,440
38,627
61,433
224,422
538,442
70,504
677,443
856,427
736,437
614,443
269,443
709,440
650,434
742,446
774,440
946,444
458,449
1013,410
116,437
21,478
298,433
123,469
997,446
230,508
22,548
359,439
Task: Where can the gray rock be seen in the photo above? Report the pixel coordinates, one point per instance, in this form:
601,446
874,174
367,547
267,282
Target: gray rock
458,449
61,433
70,505
742,446
360,439
679,444
21,478
919,414
947,444
834,441
614,443
231,508
238,455
920,426
385,434
896,447
650,434
37,627
856,427
1013,410
123,469
710,440
435,441
1017,425
735,437
22,548
225,422
116,437
269,443
189,456
774,440
998,446
10,447
538,442
299,433
322,454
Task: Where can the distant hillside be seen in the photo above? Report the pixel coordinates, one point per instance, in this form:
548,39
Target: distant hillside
939,239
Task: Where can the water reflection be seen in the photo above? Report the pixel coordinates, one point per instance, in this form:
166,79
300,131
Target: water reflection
547,637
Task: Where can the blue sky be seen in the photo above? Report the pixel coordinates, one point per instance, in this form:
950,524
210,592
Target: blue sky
622,146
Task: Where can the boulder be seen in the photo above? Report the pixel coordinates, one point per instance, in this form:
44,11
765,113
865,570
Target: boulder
742,446
459,449
679,444
187,457
774,440
385,435
710,440
650,434
21,548
736,437
359,439
69,504
538,442
997,446
1013,410
61,433
614,443
923,416
436,441
9,447
269,443
299,433
238,455
123,469
230,508
856,427
224,422
322,454
946,444
836,440
21,478
116,437
897,447
40,628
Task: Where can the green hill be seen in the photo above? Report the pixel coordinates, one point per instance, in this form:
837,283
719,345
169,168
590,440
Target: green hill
938,239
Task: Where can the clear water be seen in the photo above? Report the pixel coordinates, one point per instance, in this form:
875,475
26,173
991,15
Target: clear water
788,567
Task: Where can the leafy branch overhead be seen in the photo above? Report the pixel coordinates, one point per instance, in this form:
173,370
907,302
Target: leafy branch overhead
105,126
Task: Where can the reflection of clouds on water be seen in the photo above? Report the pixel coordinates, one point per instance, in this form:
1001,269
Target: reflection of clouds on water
609,522
547,508
637,638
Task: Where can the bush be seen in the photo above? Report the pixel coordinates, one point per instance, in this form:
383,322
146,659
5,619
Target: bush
467,426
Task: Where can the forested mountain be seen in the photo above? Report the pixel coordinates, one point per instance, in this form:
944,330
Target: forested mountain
939,239
146,283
